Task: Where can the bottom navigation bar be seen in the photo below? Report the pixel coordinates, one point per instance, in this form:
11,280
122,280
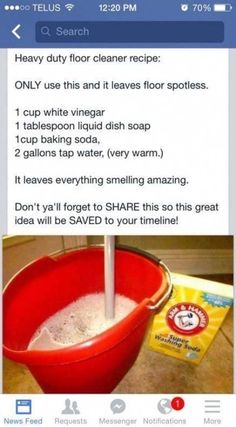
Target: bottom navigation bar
127,410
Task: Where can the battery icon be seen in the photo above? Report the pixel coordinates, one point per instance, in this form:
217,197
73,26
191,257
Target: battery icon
222,7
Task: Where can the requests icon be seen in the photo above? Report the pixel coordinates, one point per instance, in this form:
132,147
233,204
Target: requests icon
70,408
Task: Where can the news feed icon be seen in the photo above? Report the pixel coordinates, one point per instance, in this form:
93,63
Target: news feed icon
23,407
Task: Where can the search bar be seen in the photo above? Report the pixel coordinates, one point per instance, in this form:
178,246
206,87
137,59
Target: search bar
130,32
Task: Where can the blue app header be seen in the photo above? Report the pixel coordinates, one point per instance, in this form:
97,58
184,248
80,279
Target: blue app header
94,23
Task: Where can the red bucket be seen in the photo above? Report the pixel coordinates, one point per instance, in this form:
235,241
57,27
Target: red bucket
49,284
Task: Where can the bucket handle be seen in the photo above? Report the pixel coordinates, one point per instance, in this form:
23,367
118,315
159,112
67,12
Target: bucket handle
168,291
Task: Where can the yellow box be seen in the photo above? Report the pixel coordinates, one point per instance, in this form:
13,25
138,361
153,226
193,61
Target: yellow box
188,323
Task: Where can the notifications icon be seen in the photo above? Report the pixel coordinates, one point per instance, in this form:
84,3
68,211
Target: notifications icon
164,406
118,406
184,7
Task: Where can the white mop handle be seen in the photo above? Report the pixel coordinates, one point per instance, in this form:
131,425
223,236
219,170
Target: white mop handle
109,259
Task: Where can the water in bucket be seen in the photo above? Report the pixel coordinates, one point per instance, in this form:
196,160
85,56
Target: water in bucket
86,317
79,321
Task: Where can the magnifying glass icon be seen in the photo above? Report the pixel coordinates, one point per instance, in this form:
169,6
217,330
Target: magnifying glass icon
45,31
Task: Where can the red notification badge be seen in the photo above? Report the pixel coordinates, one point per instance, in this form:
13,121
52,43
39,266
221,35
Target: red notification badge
177,403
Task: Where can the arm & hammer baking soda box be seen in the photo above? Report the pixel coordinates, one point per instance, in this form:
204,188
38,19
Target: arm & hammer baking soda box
188,323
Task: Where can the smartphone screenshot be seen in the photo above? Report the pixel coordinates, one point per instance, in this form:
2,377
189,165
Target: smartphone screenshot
117,127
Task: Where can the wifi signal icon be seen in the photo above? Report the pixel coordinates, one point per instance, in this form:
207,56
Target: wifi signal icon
69,6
